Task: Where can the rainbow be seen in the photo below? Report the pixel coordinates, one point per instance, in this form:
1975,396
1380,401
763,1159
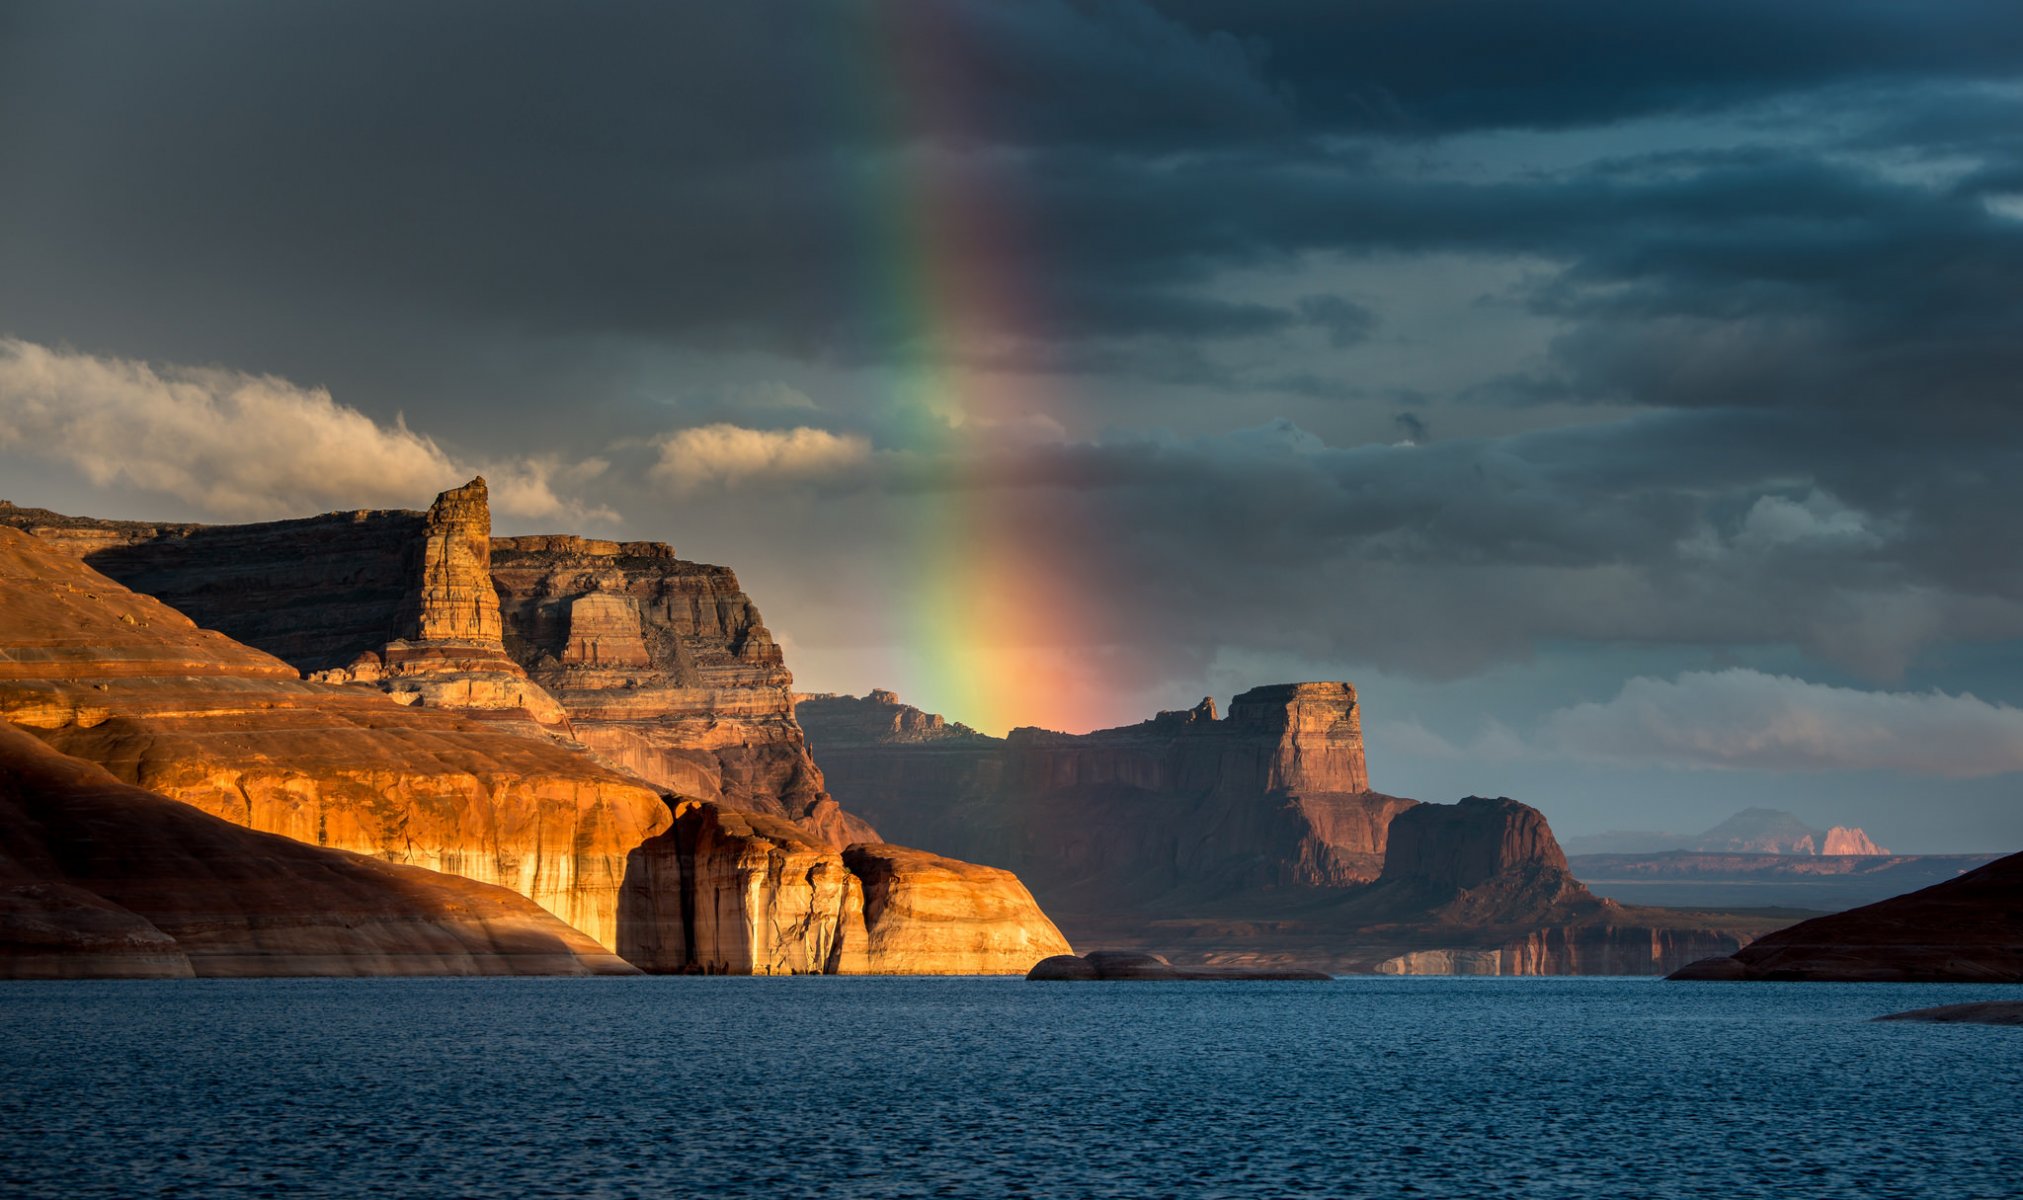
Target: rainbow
977,628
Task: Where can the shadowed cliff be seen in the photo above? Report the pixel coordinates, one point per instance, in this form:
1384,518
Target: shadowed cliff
1247,840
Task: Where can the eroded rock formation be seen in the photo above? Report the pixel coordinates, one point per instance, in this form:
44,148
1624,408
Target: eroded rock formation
99,879
679,683
726,892
1966,930
1235,842
666,668
117,678
662,666
1274,795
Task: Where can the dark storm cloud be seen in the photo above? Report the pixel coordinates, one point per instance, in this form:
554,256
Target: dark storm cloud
1795,338
1410,67
717,175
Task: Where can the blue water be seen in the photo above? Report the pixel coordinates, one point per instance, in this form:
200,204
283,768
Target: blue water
989,1087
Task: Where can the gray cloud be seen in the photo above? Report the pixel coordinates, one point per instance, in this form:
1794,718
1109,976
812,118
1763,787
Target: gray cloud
1712,307
1747,719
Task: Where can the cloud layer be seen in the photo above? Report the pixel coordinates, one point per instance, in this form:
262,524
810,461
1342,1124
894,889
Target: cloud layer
1747,719
240,446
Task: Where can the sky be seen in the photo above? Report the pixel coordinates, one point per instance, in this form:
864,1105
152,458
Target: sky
1623,396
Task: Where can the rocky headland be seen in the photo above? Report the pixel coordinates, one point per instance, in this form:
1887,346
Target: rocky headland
1251,840
366,700
1966,930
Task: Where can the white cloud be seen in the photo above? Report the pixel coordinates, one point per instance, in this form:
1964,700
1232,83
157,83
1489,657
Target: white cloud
240,446
725,454
526,488
1746,719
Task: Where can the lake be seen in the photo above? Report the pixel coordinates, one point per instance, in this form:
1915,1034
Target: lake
997,1087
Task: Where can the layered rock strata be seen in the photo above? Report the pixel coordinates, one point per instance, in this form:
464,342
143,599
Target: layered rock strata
1274,795
725,892
104,674
1966,930
667,669
662,666
678,679
99,879
1236,842
399,601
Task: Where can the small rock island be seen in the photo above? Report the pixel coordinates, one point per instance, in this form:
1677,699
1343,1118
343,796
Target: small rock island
1106,965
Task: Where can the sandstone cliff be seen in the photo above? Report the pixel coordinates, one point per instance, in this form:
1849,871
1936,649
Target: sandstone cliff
104,674
99,879
680,688
1966,930
400,601
662,666
742,893
666,668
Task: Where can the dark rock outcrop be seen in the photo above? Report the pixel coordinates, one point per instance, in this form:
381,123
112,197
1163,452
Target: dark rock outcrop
1822,883
1134,965
1966,930
99,879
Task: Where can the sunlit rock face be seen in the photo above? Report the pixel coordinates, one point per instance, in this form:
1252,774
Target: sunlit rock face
100,879
1965,930
1842,840
417,749
1274,795
667,669
104,674
663,667
748,894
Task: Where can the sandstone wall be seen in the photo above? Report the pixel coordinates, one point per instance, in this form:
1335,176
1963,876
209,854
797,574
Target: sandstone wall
667,669
748,894
99,879
120,679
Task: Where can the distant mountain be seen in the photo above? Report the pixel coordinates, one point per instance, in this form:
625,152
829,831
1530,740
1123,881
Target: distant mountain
1751,831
